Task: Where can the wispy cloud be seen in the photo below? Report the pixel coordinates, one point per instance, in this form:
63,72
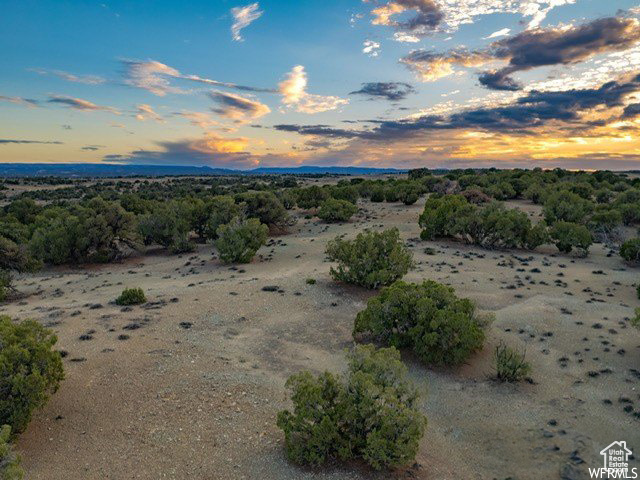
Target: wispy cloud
80,104
371,48
146,112
198,119
238,108
294,91
70,77
27,102
242,18
5,141
393,91
499,33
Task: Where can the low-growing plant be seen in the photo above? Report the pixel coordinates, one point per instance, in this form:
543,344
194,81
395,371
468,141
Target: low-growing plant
310,281
428,318
239,240
370,414
131,296
566,236
9,460
635,321
6,284
371,260
30,370
510,365
333,210
630,250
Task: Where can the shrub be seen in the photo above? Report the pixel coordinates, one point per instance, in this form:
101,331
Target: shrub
29,370
493,226
347,193
630,250
222,210
510,365
408,193
567,236
369,414
538,235
429,318
240,239
372,260
266,207
333,210
310,281
635,321
476,196
131,296
164,226
311,197
440,214
565,206
377,193
9,460
6,287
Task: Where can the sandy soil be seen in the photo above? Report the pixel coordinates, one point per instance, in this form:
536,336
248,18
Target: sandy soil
189,385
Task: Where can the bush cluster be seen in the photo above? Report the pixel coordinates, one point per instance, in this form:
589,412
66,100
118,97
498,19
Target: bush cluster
370,414
630,250
333,210
428,318
30,370
9,460
239,240
131,296
371,260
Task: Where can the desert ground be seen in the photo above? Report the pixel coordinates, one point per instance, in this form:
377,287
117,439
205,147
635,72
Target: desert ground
188,385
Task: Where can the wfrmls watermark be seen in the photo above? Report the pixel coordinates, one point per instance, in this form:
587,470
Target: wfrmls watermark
615,463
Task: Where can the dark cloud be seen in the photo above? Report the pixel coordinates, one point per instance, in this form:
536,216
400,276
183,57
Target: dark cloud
92,148
79,104
559,46
562,109
428,16
10,140
393,91
631,111
237,107
27,102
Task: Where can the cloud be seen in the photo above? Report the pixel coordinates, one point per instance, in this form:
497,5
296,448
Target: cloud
145,112
155,77
499,33
27,102
199,119
5,141
80,104
243,17
371,48
530,49
559,46
426,19
567,112
431,66
92,148
70,77
211,149
237,107
393,91
293,89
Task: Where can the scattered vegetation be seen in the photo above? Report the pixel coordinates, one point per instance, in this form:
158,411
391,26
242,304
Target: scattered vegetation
9,460
30,370
370,414
239,240
630,250
131,296
428,318
510,365
566,236
372,260
333,210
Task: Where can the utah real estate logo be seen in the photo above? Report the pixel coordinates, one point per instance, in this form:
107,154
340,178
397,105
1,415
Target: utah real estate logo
616,463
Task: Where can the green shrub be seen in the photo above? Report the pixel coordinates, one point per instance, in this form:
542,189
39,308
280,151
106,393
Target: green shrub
222,210
440,215
567,236
372,260
131,296
630,250
30,370
510,365
538,235
164,226
565,206
311,197
635,321
9,460
493,226
377,194
6,284
239,240
266,207
310,281
333,210
428,318
369,414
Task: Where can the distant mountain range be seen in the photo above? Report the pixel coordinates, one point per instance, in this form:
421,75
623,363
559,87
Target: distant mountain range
113,170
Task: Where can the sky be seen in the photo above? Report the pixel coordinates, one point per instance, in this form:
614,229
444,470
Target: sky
375,83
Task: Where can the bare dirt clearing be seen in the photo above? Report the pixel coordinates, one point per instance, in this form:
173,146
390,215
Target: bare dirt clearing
188,385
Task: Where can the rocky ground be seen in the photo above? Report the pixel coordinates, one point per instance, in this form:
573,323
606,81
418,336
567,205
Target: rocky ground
189,385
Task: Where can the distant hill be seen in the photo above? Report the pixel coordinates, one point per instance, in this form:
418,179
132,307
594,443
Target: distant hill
113,170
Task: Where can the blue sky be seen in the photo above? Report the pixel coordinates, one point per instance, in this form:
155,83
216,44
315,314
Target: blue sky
441,82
